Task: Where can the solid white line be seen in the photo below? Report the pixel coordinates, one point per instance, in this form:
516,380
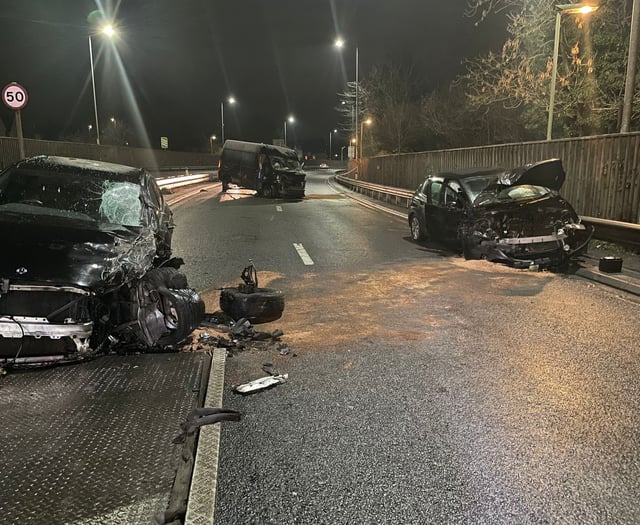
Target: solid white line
278,208
303,254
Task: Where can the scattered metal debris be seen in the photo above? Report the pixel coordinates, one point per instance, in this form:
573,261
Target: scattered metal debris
235,336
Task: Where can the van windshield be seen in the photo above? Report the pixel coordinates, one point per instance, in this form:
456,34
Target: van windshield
285,163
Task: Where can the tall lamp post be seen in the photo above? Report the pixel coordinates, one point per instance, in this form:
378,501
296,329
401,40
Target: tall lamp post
368,122
572,9
290,119
109,31
339,43
212,138
330,137
231,102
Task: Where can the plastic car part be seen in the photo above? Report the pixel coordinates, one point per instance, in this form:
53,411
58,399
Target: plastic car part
166,310
261,384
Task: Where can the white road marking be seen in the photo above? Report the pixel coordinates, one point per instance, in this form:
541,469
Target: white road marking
303,254
278,208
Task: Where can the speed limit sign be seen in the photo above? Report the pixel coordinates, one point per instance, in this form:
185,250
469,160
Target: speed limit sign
14,96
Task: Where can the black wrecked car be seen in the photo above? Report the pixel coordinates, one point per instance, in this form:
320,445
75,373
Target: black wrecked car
514,216
86,262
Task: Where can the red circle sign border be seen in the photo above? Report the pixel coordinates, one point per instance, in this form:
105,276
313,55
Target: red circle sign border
21,105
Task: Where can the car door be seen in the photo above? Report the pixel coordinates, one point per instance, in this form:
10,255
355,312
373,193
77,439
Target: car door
419,201
433,212
452,210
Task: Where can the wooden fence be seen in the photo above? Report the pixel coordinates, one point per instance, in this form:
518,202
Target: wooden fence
603,179
146,158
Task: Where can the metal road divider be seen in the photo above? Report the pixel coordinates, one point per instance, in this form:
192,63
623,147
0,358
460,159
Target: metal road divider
185,180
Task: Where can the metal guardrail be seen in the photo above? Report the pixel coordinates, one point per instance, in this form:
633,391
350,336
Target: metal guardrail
624,233
176,182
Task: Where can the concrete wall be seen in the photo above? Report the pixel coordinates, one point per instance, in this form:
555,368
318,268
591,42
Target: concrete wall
603,175
151,159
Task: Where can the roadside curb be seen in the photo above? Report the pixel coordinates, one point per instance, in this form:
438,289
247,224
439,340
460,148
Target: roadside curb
202,493
619,281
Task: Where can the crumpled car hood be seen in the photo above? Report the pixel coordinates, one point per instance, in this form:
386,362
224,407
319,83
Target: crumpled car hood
67,252
548,173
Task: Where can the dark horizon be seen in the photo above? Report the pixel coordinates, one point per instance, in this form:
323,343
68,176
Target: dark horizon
173,64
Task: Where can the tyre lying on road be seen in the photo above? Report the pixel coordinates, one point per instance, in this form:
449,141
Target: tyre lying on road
248,301
86,262
514,216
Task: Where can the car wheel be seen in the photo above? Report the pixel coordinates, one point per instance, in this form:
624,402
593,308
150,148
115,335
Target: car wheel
260,306
418,232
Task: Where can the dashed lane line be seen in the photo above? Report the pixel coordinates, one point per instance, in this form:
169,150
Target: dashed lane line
308,261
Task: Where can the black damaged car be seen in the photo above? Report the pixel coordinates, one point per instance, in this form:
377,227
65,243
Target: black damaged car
86,262
514,216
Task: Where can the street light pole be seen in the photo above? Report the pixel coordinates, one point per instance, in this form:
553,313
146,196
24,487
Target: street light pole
110,31
339,43
330,150
222,121
231,101
629,86
580,8
368,123
356,115
93,85
291,120
211,139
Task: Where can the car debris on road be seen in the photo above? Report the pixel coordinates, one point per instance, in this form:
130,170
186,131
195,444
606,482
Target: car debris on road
261,384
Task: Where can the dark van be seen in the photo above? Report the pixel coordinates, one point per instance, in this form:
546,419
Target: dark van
270,170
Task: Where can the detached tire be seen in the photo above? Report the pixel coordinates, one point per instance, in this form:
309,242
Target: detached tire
260,306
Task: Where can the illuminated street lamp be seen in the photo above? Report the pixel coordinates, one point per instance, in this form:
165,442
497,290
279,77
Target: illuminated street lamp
109,31
113,120
330,135
231,102
339,43
212,139
368,122
571,9
291,120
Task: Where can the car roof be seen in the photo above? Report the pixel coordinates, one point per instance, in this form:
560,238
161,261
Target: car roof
84,166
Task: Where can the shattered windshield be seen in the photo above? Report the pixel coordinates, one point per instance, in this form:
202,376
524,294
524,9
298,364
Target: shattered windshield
80,196
510,194
475,185
285,163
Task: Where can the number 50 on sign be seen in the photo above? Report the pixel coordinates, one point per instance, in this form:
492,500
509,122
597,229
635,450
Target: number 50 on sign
15,96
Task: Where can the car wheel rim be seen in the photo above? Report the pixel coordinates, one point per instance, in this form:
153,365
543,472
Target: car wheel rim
415,228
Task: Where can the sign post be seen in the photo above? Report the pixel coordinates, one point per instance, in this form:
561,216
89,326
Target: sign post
15,97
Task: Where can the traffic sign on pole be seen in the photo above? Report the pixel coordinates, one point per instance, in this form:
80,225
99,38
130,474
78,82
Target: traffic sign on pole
15,96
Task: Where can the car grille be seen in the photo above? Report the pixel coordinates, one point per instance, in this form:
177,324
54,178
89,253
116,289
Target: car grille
38,303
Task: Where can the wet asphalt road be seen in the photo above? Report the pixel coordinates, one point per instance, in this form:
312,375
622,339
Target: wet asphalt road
424,388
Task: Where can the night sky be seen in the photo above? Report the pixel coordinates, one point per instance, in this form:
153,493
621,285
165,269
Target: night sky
175,61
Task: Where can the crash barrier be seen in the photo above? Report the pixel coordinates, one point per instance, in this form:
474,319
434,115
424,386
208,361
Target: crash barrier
603,179
185,180
624,233
151,159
